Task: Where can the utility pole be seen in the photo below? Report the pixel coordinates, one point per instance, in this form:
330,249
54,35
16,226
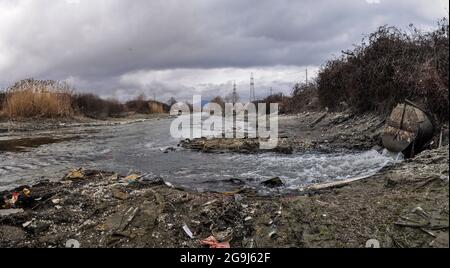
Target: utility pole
271,91
252,88
234,96
306,76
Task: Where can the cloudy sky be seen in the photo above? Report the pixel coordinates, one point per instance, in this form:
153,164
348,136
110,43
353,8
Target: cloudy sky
122,48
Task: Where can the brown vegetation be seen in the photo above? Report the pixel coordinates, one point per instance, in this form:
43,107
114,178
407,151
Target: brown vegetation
142,106
93,106
278,98
389,66
304,98
53,99
34,98
155,107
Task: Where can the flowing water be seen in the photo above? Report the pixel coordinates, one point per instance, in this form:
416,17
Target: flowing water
139,147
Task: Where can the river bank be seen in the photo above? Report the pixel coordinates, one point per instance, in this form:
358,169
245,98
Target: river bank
405,205
41,124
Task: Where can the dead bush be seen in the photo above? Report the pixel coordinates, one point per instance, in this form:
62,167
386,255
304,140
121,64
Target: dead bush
91,105
387,67
278,98
303,98
138,105
142,106
2,99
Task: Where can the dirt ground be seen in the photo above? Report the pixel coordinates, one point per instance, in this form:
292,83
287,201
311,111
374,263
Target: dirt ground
406,205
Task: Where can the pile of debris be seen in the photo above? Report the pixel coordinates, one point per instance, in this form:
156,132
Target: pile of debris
246,145
103,209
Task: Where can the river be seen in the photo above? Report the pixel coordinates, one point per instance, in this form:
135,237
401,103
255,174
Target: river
139,147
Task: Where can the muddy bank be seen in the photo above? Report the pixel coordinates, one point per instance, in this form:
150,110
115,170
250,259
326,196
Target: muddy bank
36,124
404,206
317,132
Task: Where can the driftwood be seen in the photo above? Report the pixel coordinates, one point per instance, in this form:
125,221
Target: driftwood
330,185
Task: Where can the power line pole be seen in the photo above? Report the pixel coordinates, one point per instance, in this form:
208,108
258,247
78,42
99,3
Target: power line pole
234,96
252,88
307,76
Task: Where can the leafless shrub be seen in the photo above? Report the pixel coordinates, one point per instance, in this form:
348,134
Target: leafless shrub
142,106
387,67
304,97
91,105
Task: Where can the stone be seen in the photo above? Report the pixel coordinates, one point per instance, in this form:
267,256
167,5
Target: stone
7,212
273,183
119,194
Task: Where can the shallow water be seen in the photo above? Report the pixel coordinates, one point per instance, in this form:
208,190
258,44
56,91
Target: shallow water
139,147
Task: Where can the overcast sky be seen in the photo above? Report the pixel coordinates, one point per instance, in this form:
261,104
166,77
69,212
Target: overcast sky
122,48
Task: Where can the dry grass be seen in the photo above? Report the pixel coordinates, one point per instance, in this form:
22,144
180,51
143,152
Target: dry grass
142,106
155,107
43,99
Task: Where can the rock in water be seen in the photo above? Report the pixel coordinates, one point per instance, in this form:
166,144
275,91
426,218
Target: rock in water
273,183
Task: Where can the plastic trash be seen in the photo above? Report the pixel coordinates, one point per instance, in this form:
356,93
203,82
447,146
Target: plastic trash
26,224
188,231
9,203
72,243
75,174
132,177
26,192
212,242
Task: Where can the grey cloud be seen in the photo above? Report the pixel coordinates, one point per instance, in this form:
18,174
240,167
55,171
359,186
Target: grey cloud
100,41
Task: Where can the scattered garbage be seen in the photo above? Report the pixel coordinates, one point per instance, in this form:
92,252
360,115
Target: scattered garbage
373,243
273,234
238,198
169,184
72,243
131,177
9,203
210,202
26,192
26,224
212,242
225,235
188,231
239,217
408,129
56,201
75,174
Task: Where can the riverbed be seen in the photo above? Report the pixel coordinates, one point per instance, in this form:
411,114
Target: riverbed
148,148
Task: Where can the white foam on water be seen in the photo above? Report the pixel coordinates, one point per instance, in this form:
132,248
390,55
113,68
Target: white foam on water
299,170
